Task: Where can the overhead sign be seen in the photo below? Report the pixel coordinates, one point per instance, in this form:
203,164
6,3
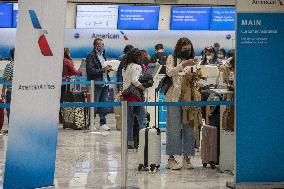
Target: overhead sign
138,17
31,151
15,14
6,15
223,18
97,16
190,18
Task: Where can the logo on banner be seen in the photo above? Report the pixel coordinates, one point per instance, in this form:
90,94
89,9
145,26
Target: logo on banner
267,2
42,41
124,36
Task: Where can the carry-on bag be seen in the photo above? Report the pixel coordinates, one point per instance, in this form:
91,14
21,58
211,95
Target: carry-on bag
228,119
117,112
1,114
209,146
75,117
149,149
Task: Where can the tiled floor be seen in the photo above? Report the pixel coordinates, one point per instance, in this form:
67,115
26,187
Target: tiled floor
86,160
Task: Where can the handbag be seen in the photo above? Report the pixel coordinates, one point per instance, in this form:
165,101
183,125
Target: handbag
165,84
133,94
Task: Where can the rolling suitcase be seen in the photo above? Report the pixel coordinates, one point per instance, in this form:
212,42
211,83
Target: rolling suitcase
149,149
209,146
78,117
136,129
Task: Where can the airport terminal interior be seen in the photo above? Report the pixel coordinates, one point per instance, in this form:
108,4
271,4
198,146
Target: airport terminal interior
152,51
86,160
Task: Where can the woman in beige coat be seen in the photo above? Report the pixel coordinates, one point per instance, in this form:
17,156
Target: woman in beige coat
180,136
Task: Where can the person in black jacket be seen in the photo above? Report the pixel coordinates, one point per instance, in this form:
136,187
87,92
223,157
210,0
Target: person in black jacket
98,71
160,57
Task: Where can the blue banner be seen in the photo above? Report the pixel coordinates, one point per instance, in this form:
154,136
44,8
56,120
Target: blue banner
223,18
260,102
190,18
15,15
6,15
138,17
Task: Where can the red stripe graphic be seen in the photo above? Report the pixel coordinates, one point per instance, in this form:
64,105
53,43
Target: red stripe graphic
44,47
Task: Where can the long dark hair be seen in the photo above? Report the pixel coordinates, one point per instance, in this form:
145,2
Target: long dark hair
180,43
133,56
127,48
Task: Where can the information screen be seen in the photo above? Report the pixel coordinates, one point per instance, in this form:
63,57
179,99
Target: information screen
97,16
223,18
138,17
190,18
15,15
6,15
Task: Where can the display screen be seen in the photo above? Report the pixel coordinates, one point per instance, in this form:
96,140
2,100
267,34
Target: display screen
97,16
223,18
190,18
138,17
6,15
15,15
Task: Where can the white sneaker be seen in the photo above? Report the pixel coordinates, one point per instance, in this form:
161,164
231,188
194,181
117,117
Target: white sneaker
186,163
173,164
105,127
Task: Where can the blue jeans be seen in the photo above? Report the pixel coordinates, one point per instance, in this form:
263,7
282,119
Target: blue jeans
8,101
180,137
139,112
101,95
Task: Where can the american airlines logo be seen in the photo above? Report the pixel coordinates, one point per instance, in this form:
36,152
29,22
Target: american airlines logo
268,2
42,41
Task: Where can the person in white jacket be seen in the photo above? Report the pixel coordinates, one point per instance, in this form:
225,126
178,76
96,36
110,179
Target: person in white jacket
180,137
131,72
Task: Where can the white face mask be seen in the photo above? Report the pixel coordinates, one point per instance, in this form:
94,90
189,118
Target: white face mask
209,57
220,56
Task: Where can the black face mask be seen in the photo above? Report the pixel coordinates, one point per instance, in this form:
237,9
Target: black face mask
186,54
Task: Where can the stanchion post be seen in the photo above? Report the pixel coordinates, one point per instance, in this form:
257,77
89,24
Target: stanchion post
124,145
92,109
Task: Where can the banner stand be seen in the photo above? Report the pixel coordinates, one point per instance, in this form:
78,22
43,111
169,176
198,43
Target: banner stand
259,94
37,79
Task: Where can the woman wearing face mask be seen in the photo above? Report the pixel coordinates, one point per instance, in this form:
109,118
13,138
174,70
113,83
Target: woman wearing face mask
209,56
180,136
221,56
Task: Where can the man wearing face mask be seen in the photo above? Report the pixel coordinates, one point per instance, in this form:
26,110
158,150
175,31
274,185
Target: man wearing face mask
98,71
160,57
216,47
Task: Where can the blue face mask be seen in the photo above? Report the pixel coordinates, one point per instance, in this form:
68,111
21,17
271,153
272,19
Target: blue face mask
100,49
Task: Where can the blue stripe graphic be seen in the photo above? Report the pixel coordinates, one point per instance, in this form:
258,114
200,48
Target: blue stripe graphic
34,19
112,104
76,82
